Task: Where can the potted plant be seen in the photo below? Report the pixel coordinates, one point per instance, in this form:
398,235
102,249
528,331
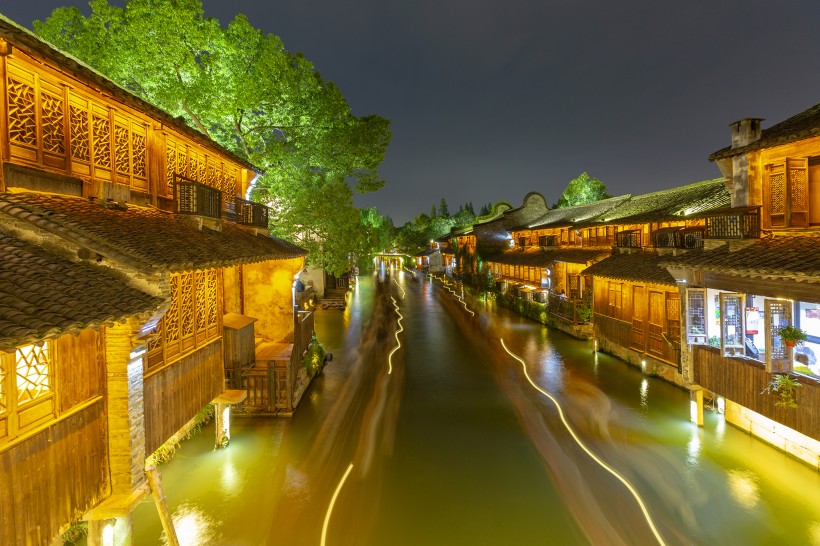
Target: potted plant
785,386
792,336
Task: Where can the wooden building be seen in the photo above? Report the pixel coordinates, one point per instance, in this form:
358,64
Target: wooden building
758,272
137,277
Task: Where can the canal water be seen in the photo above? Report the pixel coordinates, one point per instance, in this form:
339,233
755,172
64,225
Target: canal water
447,442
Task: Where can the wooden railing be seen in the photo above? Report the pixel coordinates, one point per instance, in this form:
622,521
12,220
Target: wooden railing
678,238
743,381
736,223
302,332
198,199
562,308
249,213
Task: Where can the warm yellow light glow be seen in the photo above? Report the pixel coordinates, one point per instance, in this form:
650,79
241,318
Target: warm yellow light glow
108,534
398,343
693,411
226,422
332,502
721,405
583,446
744,488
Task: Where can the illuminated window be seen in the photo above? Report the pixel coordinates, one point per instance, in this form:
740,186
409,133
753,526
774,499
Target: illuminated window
614,304
696,315
33,369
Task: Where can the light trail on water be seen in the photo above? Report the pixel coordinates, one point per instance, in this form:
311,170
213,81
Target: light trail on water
589,452
332,502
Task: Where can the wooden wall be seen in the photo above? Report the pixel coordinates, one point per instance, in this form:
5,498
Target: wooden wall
177,392
80,369
742,381
53,478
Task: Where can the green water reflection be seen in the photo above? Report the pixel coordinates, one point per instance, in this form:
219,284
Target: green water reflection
455,448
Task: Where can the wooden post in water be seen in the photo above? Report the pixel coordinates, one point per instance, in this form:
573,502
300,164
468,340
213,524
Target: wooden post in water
155,481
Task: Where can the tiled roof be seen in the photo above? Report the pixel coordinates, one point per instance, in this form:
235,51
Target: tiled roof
671,204
144,238
804,125
25,39
638,266
43,296
775,256
569,215
535,257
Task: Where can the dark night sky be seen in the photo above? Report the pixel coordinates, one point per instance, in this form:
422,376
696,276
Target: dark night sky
490,100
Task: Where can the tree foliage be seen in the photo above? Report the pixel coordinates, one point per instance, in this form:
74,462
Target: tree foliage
414,236
242,88
582,190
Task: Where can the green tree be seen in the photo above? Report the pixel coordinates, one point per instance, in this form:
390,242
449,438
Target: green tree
242,88
582,190
442,208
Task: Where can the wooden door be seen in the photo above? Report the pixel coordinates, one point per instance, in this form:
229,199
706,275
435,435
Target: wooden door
639,318
657,317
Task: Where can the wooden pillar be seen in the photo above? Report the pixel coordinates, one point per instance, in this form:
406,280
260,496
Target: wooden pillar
155,481
222,421
696,405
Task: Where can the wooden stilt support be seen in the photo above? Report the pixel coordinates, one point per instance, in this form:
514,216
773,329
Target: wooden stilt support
155,481
696,403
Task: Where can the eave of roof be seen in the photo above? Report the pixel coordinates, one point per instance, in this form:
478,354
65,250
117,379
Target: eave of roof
536,257
43,296
146,239
634,267
801,126
796,257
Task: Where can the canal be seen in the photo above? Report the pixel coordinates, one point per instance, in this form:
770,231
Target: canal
447,442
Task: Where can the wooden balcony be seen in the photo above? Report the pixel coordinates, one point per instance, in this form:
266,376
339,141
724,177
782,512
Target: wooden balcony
685,238
191,197
743,381
249,213
735,223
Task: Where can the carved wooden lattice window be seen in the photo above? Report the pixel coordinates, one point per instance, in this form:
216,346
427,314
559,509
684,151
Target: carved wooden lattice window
53,119
101,140
696,315
201,300
170,167
673,318
212,297
78,120
22,118
777,316
121,149
138,152
187,306
33,372
733,319
788,193
172,316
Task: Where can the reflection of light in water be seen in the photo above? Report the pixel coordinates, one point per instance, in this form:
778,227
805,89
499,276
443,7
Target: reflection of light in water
194,527
229,480
744,488
644,392
693,448
720,429
595,364
814,533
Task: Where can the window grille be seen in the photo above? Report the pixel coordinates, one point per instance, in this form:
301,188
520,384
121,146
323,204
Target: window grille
778,316
33,372
696,315
736,223
732,312
628,239
194,198
251,214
